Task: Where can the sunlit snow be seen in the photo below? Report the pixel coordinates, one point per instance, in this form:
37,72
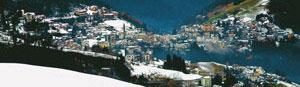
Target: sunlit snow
148,70
22,75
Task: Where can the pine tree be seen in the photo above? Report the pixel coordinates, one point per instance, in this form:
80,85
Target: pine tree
177,63
184,66
230,80
15,21
174,63
218,23
122,59
165,65
169,62
217,80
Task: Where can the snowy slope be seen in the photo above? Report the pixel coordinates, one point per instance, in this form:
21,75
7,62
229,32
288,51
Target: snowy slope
148,70
118,24
259,8
22,75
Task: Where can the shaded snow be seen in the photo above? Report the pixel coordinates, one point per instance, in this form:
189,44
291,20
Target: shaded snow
148,70
22,75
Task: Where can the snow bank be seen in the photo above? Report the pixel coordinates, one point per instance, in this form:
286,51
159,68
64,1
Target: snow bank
22,75
148,70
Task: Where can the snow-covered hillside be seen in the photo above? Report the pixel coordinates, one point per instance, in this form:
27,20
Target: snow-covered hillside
22,75
250,13
118,24
148,70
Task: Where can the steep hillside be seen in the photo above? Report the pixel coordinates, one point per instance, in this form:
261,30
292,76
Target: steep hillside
232,7
47,7
59,59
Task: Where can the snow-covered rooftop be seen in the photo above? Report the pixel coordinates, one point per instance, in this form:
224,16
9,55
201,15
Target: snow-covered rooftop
92,42
22,75
208,66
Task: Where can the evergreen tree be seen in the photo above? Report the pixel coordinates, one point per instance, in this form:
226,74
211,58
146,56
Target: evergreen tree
217,80
165,65
85,48
122,70
219,23
3,18
230,80
183,67
174,62
15,21
235,20
177,63
142,80
169,62
122,59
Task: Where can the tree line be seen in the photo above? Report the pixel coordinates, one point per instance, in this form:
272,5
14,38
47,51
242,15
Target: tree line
48,7
229,81
175,63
